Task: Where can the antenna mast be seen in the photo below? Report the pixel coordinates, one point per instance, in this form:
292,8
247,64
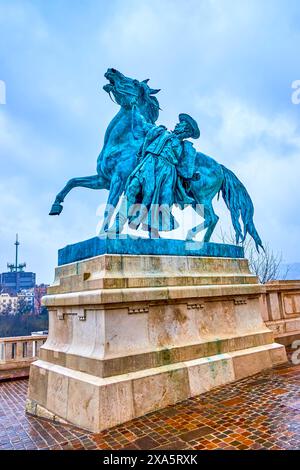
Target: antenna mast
16,267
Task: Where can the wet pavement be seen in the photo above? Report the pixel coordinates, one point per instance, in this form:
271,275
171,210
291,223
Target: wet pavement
260,412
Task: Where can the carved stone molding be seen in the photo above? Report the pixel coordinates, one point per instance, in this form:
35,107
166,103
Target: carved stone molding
61,314
193,306
240,301
136,310
82,315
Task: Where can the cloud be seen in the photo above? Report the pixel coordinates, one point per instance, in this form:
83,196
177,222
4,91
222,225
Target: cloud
24,149
223,62
264,151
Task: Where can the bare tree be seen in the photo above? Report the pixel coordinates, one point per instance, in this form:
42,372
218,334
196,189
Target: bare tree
8,310
265,264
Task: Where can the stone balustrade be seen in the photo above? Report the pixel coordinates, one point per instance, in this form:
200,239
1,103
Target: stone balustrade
281,310
17,353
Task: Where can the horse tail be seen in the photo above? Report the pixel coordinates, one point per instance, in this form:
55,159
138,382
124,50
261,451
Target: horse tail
239,204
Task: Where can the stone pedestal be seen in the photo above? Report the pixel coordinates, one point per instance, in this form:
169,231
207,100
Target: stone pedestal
130,334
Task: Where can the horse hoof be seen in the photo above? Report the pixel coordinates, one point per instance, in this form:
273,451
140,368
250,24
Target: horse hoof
56,209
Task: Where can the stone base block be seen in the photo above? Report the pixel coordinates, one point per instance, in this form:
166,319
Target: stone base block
131,334
95,404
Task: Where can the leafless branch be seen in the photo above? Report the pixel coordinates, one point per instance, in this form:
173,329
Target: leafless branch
266,265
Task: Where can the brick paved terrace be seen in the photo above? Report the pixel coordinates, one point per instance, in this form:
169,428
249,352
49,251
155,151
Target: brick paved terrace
260,412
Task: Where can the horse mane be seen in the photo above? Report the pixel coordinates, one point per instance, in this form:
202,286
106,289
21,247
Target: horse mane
151,102
154,108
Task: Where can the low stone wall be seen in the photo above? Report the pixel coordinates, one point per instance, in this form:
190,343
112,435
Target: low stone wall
17,353
281,310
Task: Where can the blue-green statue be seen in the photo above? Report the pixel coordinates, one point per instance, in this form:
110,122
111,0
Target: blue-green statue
165,162
150,169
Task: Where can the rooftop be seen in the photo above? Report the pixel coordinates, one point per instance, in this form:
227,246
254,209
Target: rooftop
260,412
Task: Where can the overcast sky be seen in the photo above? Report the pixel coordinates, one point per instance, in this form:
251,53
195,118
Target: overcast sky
228,63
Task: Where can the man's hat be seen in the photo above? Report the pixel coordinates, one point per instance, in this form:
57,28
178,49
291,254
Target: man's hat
193,125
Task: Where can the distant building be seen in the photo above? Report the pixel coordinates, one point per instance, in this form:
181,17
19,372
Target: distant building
16,279
13,282
21,303
18,290
39,333
8,304
26,301
39,292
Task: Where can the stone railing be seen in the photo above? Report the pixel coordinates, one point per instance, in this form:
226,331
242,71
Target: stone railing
17,353
281,310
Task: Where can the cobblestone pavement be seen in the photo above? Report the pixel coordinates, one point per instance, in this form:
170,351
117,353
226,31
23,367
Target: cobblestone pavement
260,412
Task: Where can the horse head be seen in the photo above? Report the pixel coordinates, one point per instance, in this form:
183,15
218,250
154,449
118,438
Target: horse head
128,92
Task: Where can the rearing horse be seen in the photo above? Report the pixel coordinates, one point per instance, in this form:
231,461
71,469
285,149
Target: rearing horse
118,159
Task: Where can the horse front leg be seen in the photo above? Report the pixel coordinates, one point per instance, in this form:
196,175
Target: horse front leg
127,206
91,182
115,192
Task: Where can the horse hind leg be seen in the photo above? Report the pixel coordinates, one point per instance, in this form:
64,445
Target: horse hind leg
198,228
90,182
210,222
